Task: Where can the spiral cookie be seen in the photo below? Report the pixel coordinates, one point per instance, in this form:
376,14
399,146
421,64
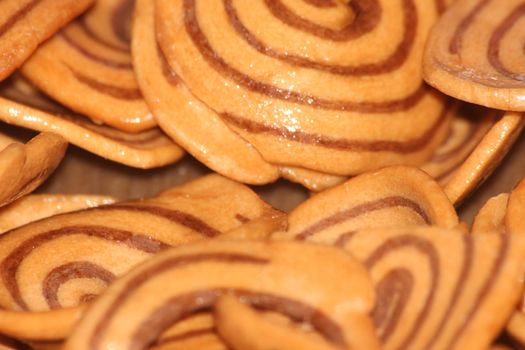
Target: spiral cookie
474,53
268,275
24,24
245,329
439,289
392,197
182,116
24,106
333,89
473,149
35,207
24,167
66,260
87,67
491,217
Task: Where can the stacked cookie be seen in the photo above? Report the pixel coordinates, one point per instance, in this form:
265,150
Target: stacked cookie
331,94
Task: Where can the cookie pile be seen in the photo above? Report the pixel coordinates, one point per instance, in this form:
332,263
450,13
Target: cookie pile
390,111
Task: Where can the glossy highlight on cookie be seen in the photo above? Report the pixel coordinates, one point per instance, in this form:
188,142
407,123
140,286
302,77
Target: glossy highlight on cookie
474,53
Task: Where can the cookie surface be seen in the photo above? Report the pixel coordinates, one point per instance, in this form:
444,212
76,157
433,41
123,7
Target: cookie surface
87,67
27,23
474,54
341,94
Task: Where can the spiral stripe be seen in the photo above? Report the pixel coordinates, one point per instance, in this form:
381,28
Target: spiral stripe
100,40
67,272
17,16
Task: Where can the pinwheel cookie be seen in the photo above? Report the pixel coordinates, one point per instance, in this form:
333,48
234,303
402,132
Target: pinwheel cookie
336,90
475,53
24,167
271,276
87,67
38,206
392,197
24,24
22,105
68,259
440,289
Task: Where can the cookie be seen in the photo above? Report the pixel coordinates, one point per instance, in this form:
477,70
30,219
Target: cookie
440,289
23,167
515,218
268,275
24,106
473,53
25,24
183,117
87,67
67,260
244,328
312,180
38,206
391,197
339,91
491,217
473,149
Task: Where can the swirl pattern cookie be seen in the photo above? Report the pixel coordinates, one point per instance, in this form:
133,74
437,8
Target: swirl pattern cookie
269,275
24,106
474,53
334,89
24,167
38,206
25,24
392,197
439,289
68,259
203,134
87,67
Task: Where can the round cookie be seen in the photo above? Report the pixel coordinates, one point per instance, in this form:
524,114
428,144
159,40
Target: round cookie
24,24
337,90
87,67
337,306
187,120
392,197
66,260
474,53
38,206
24,106
23,167
440,289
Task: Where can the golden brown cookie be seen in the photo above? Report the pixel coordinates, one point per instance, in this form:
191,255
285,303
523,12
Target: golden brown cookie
38,206
87,67
24,24
26,107
243,328
391,197
268,275
187,120
440,289
491,217
515,218
334,89
68,259
475,53
23,167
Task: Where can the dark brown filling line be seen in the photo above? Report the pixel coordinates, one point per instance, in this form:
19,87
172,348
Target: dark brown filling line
493,51
93,56
348,214
321,3
107,89
95,37
200,41
457,39
11,263
64,273
17,16
121,20
404,147
427,249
